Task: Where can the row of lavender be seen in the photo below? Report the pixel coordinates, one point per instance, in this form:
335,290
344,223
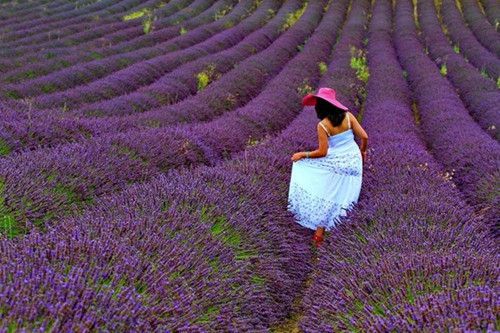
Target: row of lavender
226,93
87,47
88,72
480,94
51,180
413,256
103,37
463,37
30,129
491,9
18,12
67,18
181,253
469,155
482,29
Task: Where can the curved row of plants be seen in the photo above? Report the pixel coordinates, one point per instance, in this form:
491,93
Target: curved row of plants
225,94
87,46
486,34
469,154
104,32
50,180
87,72
491,9
461,36
480,94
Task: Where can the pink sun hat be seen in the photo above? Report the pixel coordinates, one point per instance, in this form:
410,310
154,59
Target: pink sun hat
328,94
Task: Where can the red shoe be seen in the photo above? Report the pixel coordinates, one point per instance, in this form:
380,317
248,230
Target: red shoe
317,240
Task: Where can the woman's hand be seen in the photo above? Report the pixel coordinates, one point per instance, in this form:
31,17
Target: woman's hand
363,156
298,156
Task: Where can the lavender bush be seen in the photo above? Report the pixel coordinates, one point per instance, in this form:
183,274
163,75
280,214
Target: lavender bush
492,11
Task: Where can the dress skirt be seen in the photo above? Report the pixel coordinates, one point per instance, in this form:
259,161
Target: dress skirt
323,189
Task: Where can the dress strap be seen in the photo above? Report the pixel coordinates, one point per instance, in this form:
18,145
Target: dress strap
327,133
348,120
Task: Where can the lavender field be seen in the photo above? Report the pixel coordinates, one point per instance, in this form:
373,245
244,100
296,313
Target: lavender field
145,162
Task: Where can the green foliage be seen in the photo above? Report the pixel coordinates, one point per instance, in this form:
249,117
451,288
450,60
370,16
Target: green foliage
228,24
323,68
222,12
147,25
50,55
498,82
8,224
12,94
456,48
484,73
443,70
206,76
259,280
4,147
146,14
209,314
137,14
183,31
223,230
359,63
292,18
95,55
29,74
48,88
270,13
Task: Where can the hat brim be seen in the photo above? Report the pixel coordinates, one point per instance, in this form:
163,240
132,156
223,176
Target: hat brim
311,99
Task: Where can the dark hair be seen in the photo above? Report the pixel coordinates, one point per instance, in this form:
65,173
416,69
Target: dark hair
326,109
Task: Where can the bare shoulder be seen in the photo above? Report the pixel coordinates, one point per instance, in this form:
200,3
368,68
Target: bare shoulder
351,117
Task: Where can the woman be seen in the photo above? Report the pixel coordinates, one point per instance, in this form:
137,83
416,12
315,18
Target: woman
326,182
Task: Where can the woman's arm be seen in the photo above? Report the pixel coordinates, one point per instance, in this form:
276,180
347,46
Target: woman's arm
322,147
360,133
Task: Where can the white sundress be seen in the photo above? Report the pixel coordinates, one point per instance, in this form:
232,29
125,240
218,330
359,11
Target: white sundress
323,189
